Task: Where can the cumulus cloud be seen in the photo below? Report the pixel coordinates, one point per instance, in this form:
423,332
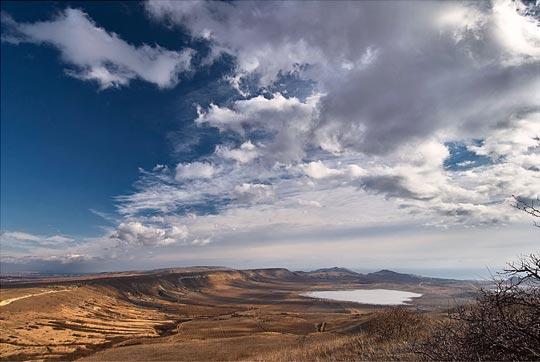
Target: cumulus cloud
99,55
247,152
284,121
257,111
136,233
318,170
418,60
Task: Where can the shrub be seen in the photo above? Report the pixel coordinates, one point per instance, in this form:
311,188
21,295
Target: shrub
396,323
503,324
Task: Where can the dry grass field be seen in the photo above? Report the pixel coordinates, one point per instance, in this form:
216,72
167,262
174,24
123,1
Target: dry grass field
221,314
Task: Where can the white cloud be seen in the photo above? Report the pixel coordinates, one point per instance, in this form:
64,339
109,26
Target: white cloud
287,121
519,33
99,55
10,236
311,203
410,184
258,111
247,152
385,75
32,243
59,239
253,193
201,241
519,137
136,233
318,170
194,170
18,235
269,38
462,21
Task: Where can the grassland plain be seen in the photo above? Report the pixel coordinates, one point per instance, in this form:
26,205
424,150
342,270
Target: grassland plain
216,314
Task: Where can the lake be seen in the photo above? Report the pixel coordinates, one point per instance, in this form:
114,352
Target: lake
366,296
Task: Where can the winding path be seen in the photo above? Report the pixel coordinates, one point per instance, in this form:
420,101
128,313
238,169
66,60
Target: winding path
11,300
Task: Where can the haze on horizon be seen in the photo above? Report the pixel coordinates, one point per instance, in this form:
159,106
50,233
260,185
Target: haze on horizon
247,134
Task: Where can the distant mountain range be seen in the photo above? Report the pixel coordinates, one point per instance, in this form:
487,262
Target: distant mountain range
333,274
381,276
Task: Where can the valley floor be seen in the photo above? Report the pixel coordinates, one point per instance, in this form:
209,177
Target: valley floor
209,315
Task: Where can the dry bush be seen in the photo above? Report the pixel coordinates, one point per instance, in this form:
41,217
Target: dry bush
396,323
503,324
387,335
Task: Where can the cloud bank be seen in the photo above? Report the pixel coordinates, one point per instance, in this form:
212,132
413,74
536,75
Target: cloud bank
394,87
423,114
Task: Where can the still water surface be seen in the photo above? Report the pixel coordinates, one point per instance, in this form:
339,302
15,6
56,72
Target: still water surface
366,296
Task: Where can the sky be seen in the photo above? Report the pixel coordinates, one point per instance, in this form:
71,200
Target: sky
368,135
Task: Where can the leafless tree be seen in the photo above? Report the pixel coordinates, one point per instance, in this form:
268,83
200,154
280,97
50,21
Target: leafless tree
502,325
504,322
531,207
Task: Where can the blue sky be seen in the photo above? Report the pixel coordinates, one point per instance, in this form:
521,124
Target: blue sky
141,135
67,147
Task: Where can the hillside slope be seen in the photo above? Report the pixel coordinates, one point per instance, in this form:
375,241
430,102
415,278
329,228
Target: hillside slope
70,317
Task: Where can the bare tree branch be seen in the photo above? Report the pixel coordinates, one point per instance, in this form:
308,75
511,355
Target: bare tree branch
502,325
531,207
